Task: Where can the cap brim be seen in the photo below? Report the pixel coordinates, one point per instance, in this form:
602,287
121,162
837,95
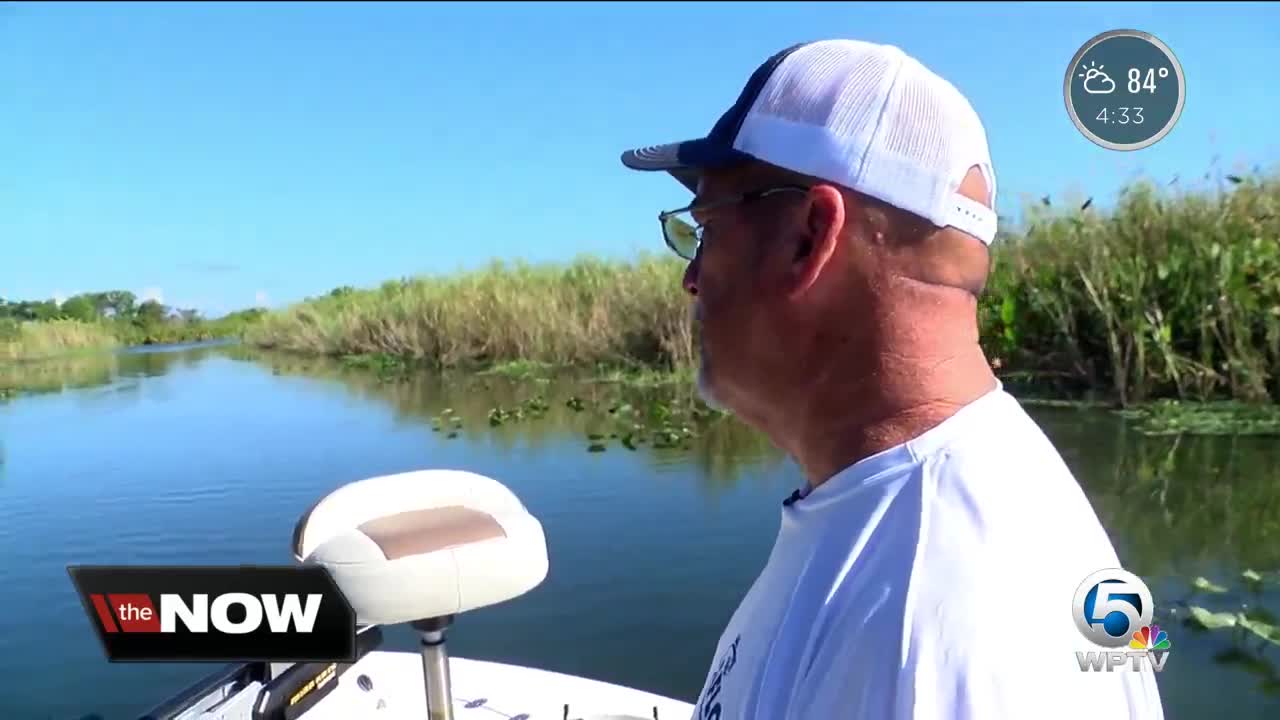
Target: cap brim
684,160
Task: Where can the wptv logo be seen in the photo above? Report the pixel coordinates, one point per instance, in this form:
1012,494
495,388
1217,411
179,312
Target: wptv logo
238,613
1113,609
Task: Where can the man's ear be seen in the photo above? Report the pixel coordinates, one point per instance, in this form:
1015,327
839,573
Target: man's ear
823,224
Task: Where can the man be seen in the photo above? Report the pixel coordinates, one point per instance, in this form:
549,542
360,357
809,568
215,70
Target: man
838,243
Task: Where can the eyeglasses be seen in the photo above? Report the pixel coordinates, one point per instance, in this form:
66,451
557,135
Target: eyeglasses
683,234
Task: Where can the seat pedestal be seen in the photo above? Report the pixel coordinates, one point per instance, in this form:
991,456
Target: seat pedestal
435,667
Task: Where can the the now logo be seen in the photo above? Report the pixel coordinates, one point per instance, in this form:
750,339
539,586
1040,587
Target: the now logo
208,614
234,613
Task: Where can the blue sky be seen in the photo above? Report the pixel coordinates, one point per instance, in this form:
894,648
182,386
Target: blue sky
219,155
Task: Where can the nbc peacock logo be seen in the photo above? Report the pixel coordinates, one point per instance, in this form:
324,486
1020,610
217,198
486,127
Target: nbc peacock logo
1150,638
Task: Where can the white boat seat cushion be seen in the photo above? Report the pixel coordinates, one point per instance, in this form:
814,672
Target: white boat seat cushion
423,544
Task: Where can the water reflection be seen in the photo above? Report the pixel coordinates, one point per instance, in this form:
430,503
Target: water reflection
57,374
1253,662
1174,504
99,369
1176,507
566,409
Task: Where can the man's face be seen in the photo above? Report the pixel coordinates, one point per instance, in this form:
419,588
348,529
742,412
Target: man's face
730,299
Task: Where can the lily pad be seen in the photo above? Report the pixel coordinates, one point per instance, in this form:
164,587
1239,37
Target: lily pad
1252,580
1266,631
1211,620
1205,586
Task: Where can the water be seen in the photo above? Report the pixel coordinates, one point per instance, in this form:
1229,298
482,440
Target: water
209,455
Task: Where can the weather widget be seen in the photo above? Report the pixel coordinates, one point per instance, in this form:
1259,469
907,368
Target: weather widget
1124,89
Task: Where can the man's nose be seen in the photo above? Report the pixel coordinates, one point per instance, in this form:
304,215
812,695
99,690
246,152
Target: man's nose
690,281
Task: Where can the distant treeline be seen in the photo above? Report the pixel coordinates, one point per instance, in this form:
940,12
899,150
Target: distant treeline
40,328
94,306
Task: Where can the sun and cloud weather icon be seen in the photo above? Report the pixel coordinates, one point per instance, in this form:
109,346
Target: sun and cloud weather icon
1096,81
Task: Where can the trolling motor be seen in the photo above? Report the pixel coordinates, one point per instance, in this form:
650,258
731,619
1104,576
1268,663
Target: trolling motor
421,548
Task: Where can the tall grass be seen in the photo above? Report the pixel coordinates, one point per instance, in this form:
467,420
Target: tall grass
586,312
1166,295
35,340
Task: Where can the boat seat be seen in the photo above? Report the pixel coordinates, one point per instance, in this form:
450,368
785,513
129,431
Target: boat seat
423,544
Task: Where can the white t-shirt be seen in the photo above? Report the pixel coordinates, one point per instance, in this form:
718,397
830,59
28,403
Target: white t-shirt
932,581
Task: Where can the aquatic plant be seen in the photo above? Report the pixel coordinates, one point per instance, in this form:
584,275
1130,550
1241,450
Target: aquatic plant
1237,615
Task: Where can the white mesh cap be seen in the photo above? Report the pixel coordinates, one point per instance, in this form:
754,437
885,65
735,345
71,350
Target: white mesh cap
859,114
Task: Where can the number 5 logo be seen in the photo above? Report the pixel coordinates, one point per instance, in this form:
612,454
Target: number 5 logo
1110,605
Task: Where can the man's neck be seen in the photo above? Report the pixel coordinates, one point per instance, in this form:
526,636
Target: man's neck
858,409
